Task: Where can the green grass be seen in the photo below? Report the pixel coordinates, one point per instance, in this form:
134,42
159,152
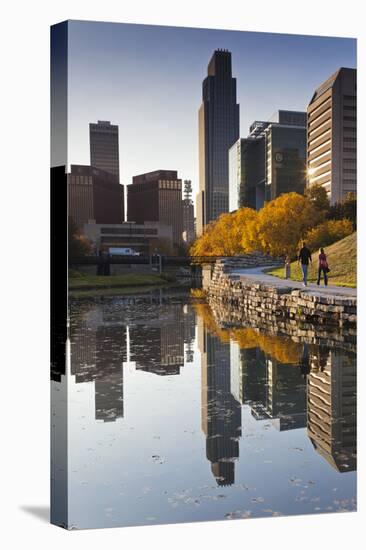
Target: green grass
342,260
79,281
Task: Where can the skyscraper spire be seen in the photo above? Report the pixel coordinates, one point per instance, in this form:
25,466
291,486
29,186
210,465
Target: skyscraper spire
218,130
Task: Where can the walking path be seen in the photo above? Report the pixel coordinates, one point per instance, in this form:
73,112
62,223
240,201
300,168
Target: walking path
256,274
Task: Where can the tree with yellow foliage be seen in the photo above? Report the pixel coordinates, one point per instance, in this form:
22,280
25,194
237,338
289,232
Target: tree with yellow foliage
224,236
281,224
275,229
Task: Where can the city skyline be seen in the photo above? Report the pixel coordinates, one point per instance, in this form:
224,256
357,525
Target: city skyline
116,73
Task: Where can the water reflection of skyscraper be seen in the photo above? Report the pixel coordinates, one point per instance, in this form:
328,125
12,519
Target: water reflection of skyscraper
221,412
331,407
98,350
157,345
272,389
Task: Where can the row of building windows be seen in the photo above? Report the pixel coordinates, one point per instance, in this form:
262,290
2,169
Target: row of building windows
319,157
316,178
122,241
320,126
328,99
317,139
80,180
170,185
353,118
327,142
315,120
128,230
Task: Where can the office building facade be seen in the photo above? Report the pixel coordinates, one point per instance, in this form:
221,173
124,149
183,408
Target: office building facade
332,135
247,173
269,162
94,195
218,130
104,147
157,197
142,238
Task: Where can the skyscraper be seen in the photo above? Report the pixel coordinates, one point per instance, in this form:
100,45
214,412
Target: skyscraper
104,152
332,135
218,130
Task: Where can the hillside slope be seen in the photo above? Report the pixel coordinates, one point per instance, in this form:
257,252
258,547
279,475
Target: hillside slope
342,260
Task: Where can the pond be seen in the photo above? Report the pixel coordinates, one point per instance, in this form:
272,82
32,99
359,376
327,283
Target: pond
173,418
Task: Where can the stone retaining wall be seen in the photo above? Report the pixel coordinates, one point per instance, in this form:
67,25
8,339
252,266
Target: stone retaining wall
246,261
262,301
300,332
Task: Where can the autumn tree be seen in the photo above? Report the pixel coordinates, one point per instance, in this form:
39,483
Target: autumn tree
327,233
318,197
224,237
281,223
79,245
275,229
345,209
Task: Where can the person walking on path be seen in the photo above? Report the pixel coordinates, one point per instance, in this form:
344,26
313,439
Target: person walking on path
304,258
323,267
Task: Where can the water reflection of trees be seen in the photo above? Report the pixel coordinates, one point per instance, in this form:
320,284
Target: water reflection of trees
281,348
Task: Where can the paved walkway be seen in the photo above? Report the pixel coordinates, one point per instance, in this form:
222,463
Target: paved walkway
257,275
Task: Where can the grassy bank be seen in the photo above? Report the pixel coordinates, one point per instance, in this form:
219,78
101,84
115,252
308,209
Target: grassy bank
342,260
79,282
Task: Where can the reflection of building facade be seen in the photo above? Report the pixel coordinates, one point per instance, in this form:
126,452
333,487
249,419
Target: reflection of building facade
94,195
285,395
143,238
221,412
218,130
273,390
157,197
332,135
98,350
189,325
156,346
269,162
248,376
331,407
111,353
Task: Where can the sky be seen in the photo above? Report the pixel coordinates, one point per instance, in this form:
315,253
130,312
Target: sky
148,80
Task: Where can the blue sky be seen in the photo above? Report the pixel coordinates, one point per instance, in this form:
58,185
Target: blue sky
148,80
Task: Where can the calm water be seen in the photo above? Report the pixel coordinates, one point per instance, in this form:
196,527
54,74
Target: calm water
172,419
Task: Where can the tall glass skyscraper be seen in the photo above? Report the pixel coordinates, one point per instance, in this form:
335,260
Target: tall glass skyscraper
218,130
104,153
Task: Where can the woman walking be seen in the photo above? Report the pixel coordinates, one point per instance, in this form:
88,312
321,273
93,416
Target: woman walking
323,267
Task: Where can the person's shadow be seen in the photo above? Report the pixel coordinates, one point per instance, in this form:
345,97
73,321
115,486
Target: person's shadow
40,512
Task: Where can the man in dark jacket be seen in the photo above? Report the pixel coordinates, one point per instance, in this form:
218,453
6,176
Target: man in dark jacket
304,258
